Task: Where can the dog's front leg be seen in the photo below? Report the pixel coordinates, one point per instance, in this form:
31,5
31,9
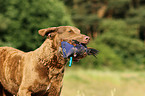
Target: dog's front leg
23,92
54,91
56,86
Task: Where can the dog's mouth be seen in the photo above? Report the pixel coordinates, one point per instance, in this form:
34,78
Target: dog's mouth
83,50
74,42
77,59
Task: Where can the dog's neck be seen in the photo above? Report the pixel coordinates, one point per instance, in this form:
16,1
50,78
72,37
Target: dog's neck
50,56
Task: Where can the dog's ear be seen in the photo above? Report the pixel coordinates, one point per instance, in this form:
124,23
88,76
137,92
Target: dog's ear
46,31
49,32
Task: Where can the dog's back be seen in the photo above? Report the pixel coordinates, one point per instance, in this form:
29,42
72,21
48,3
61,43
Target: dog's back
11,68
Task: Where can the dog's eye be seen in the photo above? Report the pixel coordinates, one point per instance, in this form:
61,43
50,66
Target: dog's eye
69,31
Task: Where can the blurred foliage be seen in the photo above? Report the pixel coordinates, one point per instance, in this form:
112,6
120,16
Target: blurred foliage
20,21
120,30
119,47
117,27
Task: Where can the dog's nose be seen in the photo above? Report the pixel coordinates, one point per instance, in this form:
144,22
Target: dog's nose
86,39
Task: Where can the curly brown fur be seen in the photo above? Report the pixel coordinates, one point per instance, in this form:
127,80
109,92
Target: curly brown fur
38,72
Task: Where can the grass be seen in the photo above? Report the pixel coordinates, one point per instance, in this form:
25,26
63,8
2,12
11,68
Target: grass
81,82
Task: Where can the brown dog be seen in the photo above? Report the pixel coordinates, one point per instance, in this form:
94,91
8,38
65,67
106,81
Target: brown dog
41,71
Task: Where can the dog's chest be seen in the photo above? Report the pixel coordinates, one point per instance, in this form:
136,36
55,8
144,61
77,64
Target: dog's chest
47,79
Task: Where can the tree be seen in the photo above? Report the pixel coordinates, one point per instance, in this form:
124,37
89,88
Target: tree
87,14
20,21
120,29
119,47
136,16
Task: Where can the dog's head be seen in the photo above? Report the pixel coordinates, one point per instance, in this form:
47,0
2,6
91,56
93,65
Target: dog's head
64,33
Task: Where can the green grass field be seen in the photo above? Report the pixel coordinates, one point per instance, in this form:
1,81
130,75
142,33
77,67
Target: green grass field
81,82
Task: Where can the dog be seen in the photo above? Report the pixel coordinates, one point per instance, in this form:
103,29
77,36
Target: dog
39,72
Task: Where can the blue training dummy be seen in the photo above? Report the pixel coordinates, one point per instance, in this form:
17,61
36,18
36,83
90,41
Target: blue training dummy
76,49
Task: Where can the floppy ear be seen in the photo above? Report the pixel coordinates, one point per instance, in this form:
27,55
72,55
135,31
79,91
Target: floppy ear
47,31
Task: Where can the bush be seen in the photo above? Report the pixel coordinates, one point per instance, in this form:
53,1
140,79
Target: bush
119,47
20,21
